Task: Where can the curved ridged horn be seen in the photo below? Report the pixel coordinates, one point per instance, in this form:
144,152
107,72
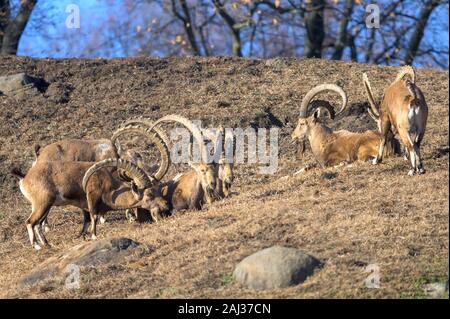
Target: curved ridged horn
304,108
373,110
406,70
153,137
139,177
191,127
142,121
322,105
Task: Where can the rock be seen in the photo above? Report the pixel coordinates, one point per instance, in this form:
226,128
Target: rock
17,83
275,267
436,290
95,253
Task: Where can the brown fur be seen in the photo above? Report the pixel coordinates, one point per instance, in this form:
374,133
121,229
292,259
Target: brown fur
225,178
192,189
59,183
77,150
404,108
333,148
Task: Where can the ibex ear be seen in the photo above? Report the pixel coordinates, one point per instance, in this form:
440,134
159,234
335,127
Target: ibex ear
316,115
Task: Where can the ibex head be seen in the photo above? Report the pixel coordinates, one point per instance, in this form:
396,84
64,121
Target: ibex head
225,172
207,176
305,121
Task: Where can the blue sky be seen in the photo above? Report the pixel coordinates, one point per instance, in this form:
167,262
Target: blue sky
47,35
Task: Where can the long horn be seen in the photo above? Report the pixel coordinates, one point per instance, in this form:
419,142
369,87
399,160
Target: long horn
191,127
154,138
406,70
133,171
304,108
143,121
373,105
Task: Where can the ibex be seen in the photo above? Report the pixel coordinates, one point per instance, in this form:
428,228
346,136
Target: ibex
224,166
93,187
96,150
333,147
197,186
403,107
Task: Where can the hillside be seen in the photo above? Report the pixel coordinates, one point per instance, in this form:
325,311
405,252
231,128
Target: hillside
355,216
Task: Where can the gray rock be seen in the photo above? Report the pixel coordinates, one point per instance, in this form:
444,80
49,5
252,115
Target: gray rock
436,290
17,83
275,267
95,253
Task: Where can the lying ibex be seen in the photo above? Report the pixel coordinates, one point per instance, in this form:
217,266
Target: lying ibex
333,148
90,186
403,107
96,150
197,186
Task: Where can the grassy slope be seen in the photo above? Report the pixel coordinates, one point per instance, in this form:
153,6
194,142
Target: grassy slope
364,215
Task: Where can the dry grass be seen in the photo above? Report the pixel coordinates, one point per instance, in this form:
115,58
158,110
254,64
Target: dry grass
361,215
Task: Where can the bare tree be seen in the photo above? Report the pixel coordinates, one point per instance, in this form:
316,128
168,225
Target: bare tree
315,33
185,17
417,36
11,28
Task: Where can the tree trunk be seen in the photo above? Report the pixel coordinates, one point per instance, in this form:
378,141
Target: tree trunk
235,29
419,30
315,32
14,28
189,28
342,37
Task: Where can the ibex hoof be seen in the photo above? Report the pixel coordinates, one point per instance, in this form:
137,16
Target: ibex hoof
37,247
94,237
375,161
46,229
411,172
102,220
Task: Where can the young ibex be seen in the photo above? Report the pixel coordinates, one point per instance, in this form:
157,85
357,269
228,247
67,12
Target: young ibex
333,148
403,107
224,166
197,186
92,187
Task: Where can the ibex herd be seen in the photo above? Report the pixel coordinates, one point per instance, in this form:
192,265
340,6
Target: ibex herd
97,176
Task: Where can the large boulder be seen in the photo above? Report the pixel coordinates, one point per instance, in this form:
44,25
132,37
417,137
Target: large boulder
275,267
18,83
95,253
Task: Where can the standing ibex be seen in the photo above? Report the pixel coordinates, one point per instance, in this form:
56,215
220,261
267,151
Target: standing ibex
100,149
333,148
90,186
403,107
